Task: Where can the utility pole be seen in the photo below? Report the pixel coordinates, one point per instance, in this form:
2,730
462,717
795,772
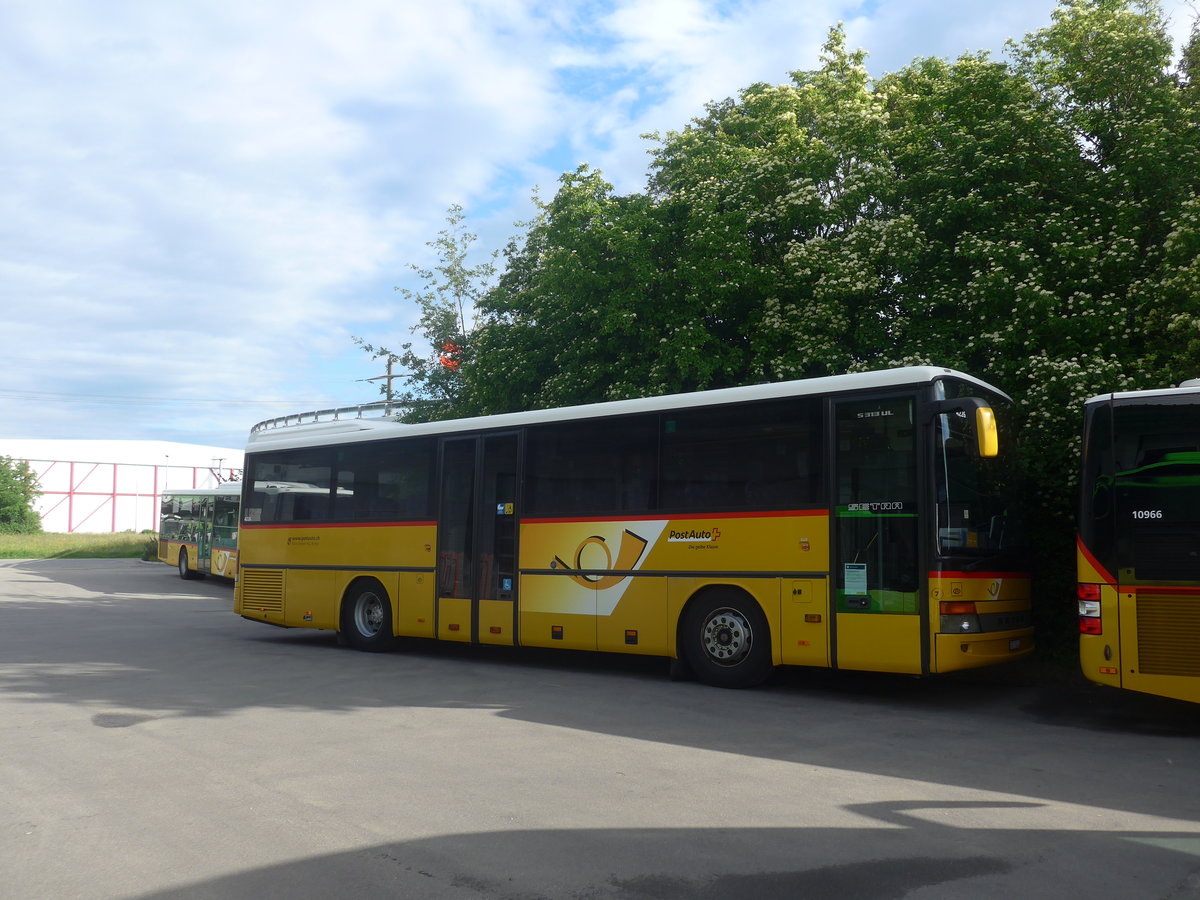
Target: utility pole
388,392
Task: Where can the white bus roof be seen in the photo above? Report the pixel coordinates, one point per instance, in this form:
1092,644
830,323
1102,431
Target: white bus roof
282,434
1187,388
227,489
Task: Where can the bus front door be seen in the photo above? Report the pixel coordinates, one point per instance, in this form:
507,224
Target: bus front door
875,536
477,540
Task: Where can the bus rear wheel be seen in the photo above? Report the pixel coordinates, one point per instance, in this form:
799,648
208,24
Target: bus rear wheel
726,640
186,573
367,618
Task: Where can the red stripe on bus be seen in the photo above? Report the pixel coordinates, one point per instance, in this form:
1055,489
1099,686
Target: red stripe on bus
1095,563
1154,589
259,525
773,514
979,575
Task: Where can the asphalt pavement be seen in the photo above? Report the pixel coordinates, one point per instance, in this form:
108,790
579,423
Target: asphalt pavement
155,745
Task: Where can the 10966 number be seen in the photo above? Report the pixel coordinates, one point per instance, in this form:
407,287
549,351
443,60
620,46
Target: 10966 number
1147,513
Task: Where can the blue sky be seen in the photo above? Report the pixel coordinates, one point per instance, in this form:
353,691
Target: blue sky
203,202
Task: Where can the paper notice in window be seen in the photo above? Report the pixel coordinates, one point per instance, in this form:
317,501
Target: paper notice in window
855,578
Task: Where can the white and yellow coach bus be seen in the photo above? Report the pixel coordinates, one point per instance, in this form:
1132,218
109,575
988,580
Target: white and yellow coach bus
861,521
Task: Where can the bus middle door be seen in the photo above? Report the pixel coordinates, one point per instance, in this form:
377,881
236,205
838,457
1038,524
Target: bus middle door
204,536
477,540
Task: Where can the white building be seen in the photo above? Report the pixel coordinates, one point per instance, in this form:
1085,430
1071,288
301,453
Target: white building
110,486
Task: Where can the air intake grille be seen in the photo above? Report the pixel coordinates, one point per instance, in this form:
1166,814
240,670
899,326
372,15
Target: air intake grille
262,590
1168,627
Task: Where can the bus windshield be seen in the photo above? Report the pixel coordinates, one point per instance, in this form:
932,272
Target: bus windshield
974,495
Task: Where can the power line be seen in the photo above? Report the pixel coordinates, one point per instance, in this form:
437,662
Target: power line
74,397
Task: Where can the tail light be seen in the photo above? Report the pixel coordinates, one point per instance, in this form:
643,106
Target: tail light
1089,609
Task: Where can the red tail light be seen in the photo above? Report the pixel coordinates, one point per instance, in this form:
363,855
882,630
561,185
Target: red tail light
1090,621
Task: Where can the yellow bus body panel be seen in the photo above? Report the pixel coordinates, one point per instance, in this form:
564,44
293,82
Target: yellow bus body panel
993,594
223,563
413,609
316,566
638,622
454,619
168,552
496,622
969,651
879,643
804,622
547,619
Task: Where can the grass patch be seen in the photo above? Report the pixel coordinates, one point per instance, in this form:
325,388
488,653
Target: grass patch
125,545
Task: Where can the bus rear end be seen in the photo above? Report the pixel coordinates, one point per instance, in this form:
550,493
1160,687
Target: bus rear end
1138,557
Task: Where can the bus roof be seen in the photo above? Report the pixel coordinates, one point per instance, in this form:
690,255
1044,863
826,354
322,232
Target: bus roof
1187,388
226,489
280,434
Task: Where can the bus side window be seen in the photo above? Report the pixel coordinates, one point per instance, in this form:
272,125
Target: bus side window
755,456
592,467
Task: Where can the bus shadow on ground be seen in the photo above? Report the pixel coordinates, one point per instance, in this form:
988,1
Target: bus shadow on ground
910,854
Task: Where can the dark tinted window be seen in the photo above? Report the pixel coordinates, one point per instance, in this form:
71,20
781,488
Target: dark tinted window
290,486
1096,523
379,482
760,456
591,467
384,482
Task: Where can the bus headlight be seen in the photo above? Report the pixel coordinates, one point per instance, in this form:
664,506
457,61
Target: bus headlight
960,625
959,617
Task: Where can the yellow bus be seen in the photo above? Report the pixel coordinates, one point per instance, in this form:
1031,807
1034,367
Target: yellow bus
861,521
197,530
1138,560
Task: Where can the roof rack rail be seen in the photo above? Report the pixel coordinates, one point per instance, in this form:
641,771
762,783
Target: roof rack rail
380,409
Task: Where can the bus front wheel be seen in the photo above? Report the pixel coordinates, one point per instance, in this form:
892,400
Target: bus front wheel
367,618
186,573
726,640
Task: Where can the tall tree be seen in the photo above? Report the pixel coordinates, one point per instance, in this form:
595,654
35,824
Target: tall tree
579,311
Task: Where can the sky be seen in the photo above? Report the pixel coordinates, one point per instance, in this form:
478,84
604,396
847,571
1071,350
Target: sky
203,202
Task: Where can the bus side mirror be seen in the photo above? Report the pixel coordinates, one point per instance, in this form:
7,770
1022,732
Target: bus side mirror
980,419
986,433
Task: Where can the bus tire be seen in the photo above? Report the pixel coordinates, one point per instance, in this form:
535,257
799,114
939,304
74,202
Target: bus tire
367,618
185,572
726,640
